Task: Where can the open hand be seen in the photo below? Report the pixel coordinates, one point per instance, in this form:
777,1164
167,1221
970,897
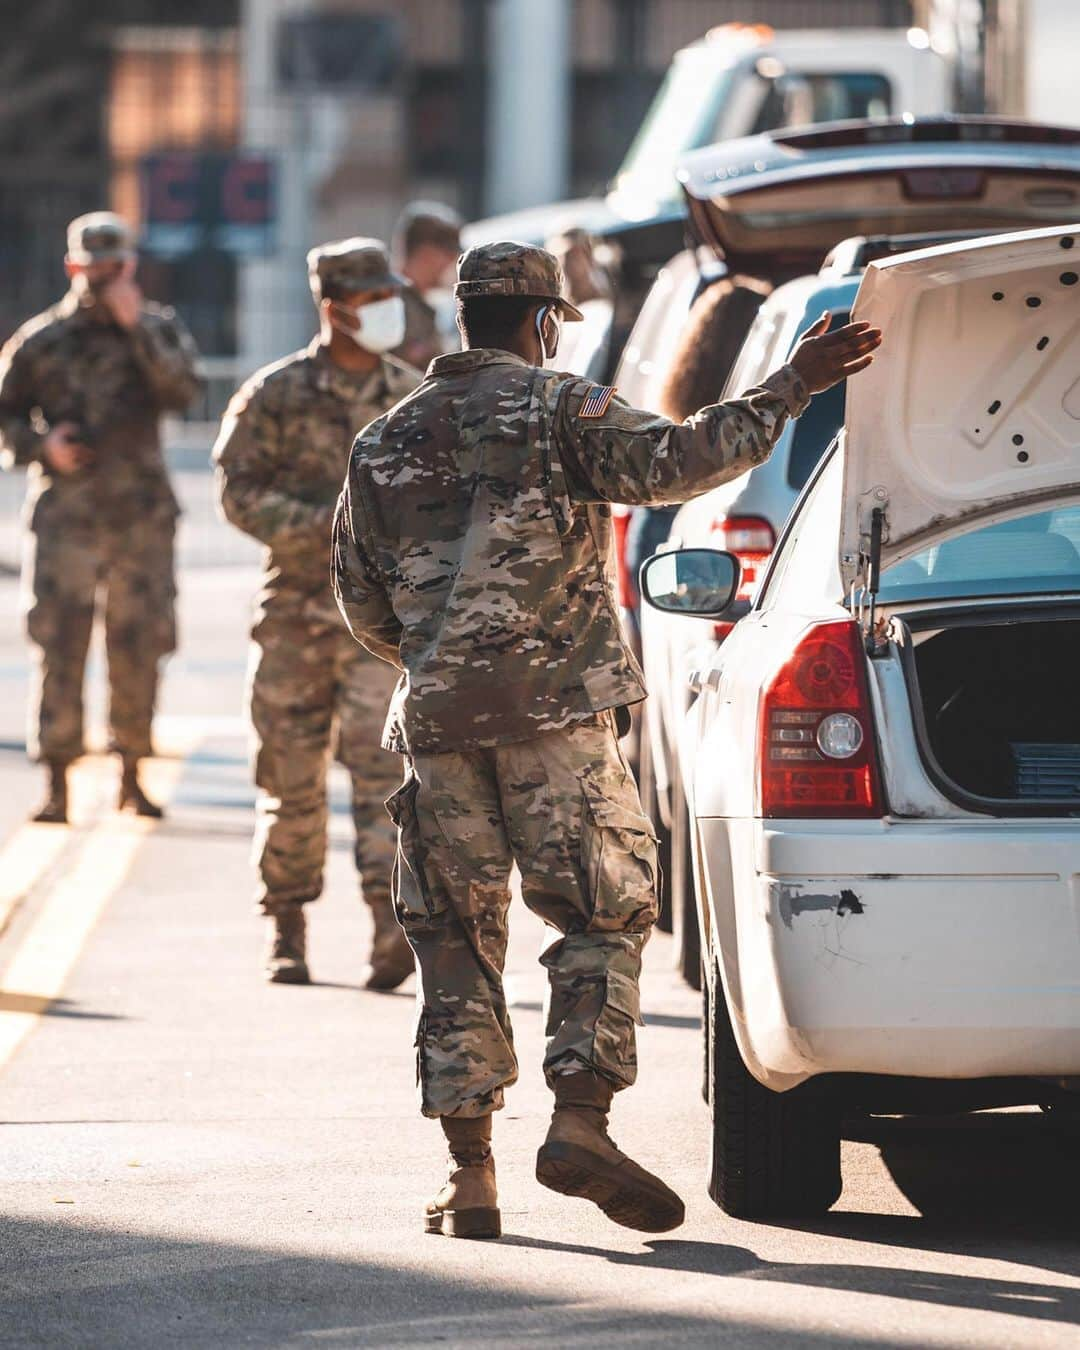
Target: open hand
824,359
62,450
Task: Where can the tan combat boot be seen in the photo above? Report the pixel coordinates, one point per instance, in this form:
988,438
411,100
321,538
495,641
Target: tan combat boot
391,956
132,797
468,1205
286,962
578,1158
54,809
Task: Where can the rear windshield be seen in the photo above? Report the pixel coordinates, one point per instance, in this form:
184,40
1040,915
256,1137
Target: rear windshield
816,428
814,432
1031,555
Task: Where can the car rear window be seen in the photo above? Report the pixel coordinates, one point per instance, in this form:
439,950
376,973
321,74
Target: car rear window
815,429
1031,555
814,432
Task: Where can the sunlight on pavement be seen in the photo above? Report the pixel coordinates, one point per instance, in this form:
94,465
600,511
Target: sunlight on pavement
37,971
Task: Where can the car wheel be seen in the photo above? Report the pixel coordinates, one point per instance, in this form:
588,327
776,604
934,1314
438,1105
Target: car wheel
774,1154
647,791
684,914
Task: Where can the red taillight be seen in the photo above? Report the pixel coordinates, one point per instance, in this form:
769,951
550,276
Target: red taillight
817,749
752,540
620,523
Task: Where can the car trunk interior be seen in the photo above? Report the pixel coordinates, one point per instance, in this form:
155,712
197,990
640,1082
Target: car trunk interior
999,709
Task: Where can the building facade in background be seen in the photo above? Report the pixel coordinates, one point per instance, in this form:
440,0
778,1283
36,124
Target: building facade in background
238,132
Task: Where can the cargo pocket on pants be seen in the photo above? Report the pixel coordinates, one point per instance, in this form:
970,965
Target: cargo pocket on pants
413,900
615,1042
620,863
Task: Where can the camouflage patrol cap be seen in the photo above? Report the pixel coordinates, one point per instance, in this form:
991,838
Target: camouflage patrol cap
100,236
508,268
349,265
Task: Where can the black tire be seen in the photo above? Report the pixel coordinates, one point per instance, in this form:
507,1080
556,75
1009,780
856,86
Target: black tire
684,913
647,792
774,1154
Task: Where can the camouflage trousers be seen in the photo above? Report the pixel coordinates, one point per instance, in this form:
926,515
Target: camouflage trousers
73,570
314,692
564,807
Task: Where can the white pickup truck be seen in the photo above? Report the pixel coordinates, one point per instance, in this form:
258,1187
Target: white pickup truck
739,80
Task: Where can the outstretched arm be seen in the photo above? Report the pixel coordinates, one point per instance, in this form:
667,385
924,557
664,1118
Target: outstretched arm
627,455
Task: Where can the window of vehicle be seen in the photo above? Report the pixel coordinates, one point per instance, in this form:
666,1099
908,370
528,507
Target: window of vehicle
1031,555
814,432
756,356
817,427
796,99
681,118
759,356
806,573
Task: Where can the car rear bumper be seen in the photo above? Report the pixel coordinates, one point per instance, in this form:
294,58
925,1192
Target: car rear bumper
931,949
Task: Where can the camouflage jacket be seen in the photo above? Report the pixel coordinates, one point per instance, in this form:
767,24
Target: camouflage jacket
473,546
281,458
74,363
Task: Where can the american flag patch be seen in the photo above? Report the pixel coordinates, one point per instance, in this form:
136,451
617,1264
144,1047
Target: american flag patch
597,402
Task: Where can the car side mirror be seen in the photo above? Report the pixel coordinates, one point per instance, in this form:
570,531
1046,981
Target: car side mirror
701,582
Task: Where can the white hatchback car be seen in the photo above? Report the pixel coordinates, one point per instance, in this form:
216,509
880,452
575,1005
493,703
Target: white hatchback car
883,763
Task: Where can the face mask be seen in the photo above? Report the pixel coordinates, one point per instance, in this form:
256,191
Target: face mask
381,324
541,314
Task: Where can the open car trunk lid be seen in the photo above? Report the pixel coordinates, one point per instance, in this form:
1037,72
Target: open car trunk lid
971,412
794,194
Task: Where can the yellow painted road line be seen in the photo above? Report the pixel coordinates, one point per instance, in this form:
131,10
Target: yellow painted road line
31,853
28,856
36,974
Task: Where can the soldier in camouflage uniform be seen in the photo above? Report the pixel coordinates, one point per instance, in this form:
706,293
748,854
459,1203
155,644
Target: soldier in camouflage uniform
82,390
281,459
427,241
472,551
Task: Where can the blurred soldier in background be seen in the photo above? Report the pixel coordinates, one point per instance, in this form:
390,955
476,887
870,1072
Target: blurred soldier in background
427,241
586,278
281,459
82,390
472,550
586,346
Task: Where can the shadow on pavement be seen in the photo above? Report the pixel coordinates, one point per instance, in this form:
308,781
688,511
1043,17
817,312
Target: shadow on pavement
69,1284
46,1007
1020,1168
997,1185
1018,1297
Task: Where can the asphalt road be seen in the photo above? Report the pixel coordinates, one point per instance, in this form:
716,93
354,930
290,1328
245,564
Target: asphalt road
189,1156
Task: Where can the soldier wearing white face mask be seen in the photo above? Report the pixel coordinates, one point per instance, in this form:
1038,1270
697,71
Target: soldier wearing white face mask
281,459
